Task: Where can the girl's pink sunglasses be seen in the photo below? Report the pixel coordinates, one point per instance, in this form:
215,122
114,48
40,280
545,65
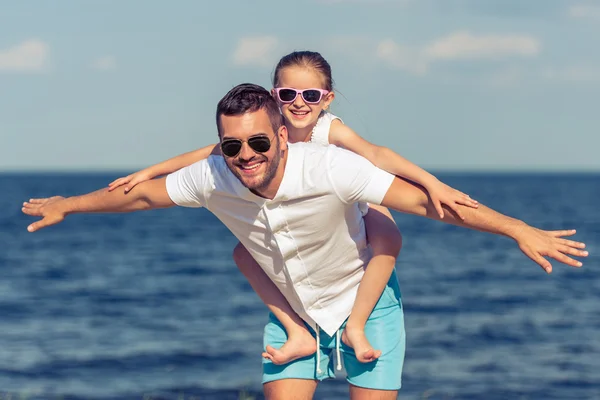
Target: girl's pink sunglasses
310,96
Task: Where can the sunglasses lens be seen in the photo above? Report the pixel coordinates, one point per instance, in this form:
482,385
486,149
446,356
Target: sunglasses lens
287,95
230,148
311,96
260,144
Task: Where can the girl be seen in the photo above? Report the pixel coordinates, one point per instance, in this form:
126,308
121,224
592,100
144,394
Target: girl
303,86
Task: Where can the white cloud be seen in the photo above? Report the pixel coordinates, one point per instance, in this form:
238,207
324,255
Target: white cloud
463,45
29,56
106,63
456,46
264,51
256,51
585,11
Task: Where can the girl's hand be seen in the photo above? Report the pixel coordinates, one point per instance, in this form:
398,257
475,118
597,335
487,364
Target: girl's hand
440,193
131,180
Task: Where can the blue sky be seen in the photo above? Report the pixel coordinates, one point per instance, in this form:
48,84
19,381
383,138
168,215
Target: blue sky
449,84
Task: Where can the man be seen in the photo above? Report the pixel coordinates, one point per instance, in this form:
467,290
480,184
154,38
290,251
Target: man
292,207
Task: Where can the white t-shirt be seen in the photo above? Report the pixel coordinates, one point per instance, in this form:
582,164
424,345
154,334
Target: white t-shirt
320,135
310,239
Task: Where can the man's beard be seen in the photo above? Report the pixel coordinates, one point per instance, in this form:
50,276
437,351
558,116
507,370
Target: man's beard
267,177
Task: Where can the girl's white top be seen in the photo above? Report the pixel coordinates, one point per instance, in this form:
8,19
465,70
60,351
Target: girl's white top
320,133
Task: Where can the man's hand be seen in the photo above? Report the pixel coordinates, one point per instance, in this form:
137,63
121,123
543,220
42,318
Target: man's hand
49,209
145,196
537,244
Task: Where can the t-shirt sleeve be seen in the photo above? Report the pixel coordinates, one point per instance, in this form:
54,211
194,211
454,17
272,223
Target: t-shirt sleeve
356,179
187,187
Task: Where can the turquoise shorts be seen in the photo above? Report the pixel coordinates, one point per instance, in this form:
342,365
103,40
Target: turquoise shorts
385,331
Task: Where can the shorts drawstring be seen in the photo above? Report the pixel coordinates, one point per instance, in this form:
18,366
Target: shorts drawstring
318,351
337,350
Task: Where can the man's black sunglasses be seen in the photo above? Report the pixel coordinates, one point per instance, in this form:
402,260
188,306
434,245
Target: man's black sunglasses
232,147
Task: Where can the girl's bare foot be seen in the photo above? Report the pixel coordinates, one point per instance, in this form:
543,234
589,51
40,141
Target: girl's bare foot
301,344
357,339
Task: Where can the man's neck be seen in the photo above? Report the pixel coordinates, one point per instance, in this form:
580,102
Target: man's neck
270,191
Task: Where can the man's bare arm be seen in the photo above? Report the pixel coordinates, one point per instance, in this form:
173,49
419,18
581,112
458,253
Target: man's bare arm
411,198
147,195
535,243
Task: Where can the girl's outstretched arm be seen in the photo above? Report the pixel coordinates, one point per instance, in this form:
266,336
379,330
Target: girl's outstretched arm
166,167
343,136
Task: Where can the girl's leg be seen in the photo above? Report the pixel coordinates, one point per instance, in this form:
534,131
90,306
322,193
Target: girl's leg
300,343
386,241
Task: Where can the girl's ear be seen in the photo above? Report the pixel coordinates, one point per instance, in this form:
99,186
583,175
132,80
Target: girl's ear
328,99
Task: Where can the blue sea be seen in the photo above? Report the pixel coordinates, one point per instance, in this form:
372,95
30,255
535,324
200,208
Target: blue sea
150,305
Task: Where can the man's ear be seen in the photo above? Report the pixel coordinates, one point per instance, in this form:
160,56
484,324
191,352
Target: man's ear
282,133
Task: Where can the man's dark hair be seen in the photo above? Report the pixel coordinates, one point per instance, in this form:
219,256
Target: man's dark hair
248,97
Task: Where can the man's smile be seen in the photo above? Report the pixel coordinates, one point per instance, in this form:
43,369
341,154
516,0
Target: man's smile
249,168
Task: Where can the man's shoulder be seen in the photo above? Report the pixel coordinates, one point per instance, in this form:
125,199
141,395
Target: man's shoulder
310,160
311,148
308,155
217,166
305,146
209,170
328,155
